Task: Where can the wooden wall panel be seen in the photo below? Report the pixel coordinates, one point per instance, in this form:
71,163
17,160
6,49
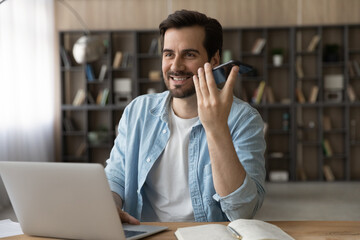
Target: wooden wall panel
330,11
112,14
146,14
238,13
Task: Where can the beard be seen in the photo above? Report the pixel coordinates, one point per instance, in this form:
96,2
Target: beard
180,91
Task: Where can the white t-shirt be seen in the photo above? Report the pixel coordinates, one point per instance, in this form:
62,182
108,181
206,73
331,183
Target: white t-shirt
167,185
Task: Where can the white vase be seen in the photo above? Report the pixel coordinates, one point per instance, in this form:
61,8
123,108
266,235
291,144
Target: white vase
277,60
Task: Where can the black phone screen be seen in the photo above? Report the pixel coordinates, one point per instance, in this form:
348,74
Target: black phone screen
222,71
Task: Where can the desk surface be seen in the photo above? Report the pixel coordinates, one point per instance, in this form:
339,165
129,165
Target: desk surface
300,230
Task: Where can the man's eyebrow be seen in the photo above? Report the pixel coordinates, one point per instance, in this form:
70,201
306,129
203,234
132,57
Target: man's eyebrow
167,50
183,51
191,50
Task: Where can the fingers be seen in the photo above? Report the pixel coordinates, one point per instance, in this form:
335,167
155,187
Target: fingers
127,218
204,82
230,83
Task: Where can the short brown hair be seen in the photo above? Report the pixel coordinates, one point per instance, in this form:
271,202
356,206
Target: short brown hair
185,18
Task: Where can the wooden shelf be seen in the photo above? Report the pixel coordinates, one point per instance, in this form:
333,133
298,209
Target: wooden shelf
283,80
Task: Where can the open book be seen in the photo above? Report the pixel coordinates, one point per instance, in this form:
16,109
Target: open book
247,229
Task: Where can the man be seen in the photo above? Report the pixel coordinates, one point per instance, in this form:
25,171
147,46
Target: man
194,152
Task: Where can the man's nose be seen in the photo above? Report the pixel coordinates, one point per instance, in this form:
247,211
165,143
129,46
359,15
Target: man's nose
177,64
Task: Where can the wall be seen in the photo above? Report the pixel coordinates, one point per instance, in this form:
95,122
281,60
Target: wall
147,14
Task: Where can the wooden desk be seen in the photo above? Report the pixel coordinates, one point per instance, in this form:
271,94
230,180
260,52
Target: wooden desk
300,230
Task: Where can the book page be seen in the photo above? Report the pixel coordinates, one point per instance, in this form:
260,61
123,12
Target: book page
208,232
252,229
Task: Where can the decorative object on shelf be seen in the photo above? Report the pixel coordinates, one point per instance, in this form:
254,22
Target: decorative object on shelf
97,137
155,75
279,176
277,56
331,53
334,86
87,48
226,55
286,121
151,91
122,90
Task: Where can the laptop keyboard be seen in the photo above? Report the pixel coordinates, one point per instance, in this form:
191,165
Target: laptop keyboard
130,233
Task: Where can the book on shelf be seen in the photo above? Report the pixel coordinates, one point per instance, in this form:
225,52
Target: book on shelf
258,93
81,149
90,98
328,173
68,124
258,46
126,60
65,57
351,93
327,148
269,95
245,229
102,73
300,95
117,59
356,68
90,76
154,46
313,94
326,123
79,97
102,97
350,69
299,68
313,43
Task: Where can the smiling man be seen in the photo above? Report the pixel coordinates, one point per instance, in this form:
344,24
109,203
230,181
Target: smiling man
194,152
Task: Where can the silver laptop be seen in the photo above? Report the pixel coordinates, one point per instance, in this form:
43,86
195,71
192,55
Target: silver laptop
66,200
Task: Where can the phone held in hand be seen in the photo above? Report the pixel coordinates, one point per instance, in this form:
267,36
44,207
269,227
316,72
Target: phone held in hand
222,71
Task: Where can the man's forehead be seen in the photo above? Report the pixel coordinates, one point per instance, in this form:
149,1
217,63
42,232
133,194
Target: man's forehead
184,38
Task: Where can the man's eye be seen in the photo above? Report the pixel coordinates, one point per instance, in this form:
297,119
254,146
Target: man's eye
168,54
190,55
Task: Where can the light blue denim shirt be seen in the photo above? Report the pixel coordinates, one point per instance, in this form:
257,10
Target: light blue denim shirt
143,135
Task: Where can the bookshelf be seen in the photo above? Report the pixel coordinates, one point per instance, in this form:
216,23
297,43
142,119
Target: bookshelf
297,125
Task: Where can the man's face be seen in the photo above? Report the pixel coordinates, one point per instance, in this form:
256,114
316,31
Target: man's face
183,54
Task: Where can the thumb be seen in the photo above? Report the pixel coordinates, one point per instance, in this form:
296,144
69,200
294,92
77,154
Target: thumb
230,83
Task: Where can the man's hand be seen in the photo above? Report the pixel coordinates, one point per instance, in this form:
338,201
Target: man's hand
213,104
124,216
127,218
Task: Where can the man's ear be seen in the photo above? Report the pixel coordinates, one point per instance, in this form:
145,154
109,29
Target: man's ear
215,60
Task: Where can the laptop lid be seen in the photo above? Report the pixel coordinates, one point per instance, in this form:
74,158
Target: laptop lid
65,200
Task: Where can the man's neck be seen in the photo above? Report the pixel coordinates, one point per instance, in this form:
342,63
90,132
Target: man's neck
185,108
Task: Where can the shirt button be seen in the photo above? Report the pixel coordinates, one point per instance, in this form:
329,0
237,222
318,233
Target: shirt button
164,131
148,160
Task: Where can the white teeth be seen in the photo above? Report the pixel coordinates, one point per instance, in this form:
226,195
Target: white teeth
179,79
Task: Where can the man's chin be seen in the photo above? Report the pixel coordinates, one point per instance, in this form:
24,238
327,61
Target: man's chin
177,93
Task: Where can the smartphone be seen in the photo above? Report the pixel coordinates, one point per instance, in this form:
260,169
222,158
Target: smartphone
222,71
